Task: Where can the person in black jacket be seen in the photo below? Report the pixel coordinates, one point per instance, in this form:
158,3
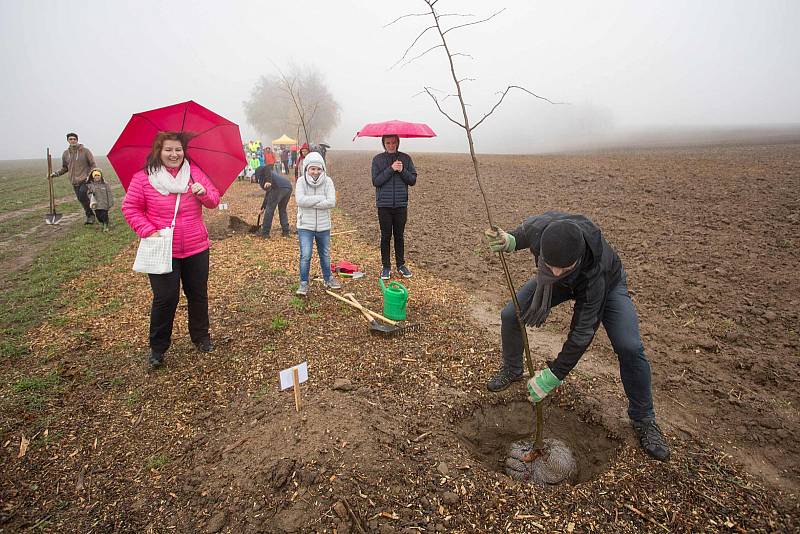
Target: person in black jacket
278,191
576,263
392,173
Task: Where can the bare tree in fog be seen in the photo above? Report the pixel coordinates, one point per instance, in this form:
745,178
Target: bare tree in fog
297,100
436,29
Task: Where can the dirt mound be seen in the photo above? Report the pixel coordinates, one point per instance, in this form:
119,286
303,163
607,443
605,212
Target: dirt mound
224,226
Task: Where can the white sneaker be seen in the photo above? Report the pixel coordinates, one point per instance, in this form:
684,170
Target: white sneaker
302,289
333,283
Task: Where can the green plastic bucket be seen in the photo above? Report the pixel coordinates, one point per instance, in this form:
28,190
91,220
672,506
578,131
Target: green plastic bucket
395,298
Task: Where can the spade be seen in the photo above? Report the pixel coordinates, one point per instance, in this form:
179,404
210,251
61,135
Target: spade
52,217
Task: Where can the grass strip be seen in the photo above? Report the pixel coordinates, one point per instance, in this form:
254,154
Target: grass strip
35,294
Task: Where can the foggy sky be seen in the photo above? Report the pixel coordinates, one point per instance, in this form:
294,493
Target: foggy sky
87,65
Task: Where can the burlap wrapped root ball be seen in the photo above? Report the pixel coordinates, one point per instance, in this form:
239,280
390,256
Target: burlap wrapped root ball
555,465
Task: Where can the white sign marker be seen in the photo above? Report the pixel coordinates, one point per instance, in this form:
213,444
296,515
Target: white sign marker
287,380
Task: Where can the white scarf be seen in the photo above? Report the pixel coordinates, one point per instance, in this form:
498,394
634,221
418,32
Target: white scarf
314,182
163,182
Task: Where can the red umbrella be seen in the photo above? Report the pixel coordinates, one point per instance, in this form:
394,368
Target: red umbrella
216,146
398,128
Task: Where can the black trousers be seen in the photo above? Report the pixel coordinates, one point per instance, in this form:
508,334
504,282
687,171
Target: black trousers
393,223
82,194
102,216
276,197
193,272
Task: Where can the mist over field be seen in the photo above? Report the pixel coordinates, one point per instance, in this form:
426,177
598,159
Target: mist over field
671,132
630,71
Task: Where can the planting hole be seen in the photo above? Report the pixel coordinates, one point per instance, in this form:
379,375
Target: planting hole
496,433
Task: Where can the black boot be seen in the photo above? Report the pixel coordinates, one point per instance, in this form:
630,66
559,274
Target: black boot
504,378
156,359
205,346
651,439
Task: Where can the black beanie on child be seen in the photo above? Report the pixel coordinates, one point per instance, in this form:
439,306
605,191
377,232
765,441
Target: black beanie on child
562,244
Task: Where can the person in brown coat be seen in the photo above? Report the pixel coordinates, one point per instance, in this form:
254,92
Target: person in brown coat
78,161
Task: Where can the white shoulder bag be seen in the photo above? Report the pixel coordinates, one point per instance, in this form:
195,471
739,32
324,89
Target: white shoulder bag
155,252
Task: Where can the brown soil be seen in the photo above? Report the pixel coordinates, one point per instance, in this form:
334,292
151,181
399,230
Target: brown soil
400,435
708,237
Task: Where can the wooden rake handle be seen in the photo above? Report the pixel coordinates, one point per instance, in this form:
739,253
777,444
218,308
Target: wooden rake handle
361,308
363,311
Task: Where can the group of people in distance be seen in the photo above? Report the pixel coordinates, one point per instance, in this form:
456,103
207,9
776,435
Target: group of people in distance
393,173
92,191
573,262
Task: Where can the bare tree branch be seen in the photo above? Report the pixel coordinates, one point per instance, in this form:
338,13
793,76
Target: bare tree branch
503,95
422,54
461,54
412,46
442,15
474,22
456,96
406,16
443,112
426,88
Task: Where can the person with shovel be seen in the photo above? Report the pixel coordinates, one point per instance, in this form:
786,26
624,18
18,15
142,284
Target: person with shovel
576,263
78,161
278,191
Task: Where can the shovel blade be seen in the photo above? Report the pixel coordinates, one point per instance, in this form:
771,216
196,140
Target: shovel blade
52,218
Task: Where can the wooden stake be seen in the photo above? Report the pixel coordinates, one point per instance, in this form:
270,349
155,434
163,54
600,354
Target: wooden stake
296,380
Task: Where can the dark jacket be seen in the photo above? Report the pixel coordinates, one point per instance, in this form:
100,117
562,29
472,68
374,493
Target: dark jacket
278,182
265,175
391,187
600,270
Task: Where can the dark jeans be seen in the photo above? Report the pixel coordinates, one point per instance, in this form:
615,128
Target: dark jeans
82,194
276,197
102,216
621,322
392,222
193,272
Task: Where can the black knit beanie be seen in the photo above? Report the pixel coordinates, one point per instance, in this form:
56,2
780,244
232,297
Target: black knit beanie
72,134
562,244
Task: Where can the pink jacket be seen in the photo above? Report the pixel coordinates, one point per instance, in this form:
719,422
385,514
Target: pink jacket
147,211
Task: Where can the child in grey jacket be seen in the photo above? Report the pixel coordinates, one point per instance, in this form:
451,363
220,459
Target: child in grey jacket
101,198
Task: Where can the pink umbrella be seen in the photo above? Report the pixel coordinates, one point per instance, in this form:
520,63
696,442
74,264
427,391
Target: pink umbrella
398,128
216,146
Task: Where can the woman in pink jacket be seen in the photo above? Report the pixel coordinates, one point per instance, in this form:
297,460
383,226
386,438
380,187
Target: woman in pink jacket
149,205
